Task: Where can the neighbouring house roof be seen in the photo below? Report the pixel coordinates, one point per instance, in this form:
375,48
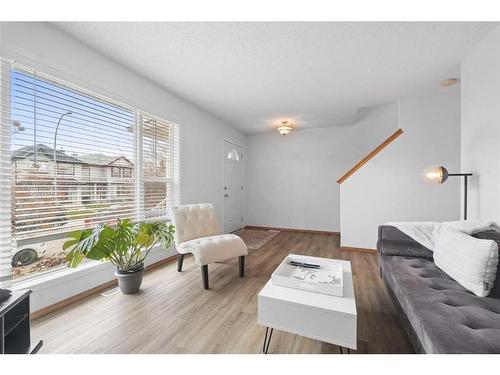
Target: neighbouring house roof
49,181
27,152
97,159
101,159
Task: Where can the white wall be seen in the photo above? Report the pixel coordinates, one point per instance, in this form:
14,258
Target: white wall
291,181
480,136
202,135
391,187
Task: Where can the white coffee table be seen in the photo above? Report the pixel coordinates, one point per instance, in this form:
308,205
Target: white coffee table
318,316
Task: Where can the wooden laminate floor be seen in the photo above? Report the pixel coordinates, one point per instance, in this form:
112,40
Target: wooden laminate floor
174,314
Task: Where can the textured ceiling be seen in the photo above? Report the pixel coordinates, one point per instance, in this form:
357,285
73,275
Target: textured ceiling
318,74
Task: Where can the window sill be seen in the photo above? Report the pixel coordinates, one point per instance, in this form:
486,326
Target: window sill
64,272
59,285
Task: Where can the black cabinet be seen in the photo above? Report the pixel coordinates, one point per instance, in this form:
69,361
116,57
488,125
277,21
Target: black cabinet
15,337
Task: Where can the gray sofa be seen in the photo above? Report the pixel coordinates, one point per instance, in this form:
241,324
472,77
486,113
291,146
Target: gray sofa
439,315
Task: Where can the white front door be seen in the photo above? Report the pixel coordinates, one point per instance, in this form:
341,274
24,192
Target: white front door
233,187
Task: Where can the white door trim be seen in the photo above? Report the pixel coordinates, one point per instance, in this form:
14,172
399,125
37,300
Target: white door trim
242,179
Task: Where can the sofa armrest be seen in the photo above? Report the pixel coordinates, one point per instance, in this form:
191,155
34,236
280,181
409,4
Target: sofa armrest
391,241
489,235
495,236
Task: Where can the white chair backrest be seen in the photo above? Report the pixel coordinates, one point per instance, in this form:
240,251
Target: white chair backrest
194,221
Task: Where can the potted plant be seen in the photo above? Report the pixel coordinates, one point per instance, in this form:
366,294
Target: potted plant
125,244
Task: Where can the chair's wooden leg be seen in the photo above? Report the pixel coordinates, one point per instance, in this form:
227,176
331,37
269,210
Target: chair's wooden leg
180,261
204,275
242,266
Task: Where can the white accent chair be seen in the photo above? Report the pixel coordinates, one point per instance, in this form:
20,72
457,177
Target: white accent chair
197,232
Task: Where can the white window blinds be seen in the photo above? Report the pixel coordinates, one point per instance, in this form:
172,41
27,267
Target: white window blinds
160,165
71,159
5,174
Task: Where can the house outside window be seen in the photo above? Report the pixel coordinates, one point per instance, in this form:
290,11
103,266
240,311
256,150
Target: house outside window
96,179
115,172
127,172
65,169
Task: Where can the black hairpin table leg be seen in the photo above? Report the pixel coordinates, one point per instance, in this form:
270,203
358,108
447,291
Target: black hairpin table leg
342,350
267,340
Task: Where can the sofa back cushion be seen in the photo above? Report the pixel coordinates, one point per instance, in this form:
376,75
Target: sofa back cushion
470,261
391,241
194,221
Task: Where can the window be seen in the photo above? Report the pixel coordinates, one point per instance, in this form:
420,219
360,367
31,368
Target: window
127,173
102,191
160,163
85,173
76,160
65,169
115,172
233,155
6,129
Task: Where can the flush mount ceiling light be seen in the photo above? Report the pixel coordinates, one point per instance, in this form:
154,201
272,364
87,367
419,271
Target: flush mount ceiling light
448,82
284,128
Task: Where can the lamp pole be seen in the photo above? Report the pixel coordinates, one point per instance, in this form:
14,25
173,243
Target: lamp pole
55,155
464,175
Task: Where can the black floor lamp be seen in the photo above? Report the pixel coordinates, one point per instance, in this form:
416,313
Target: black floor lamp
440,175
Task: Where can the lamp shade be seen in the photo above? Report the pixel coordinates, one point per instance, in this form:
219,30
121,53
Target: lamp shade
438,174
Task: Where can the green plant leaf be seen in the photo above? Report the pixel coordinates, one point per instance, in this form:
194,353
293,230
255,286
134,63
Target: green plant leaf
74,258
122,244
70,243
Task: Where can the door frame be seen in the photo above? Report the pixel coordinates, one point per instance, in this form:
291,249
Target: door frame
227,140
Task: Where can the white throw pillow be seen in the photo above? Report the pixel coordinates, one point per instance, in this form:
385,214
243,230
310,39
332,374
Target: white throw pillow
470,261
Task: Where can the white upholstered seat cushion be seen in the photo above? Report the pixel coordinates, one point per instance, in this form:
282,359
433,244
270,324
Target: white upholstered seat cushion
212,249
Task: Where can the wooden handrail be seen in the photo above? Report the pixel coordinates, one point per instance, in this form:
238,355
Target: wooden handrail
365,160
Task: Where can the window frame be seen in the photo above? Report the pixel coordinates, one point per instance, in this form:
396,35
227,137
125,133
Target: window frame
169,178
61,171
135,173
127,172
115,169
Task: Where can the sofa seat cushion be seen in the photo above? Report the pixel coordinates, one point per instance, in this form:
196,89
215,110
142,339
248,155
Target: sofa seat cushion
212,249
446,317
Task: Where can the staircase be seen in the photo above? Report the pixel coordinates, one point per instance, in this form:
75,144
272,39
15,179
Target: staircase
371,155
358,198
